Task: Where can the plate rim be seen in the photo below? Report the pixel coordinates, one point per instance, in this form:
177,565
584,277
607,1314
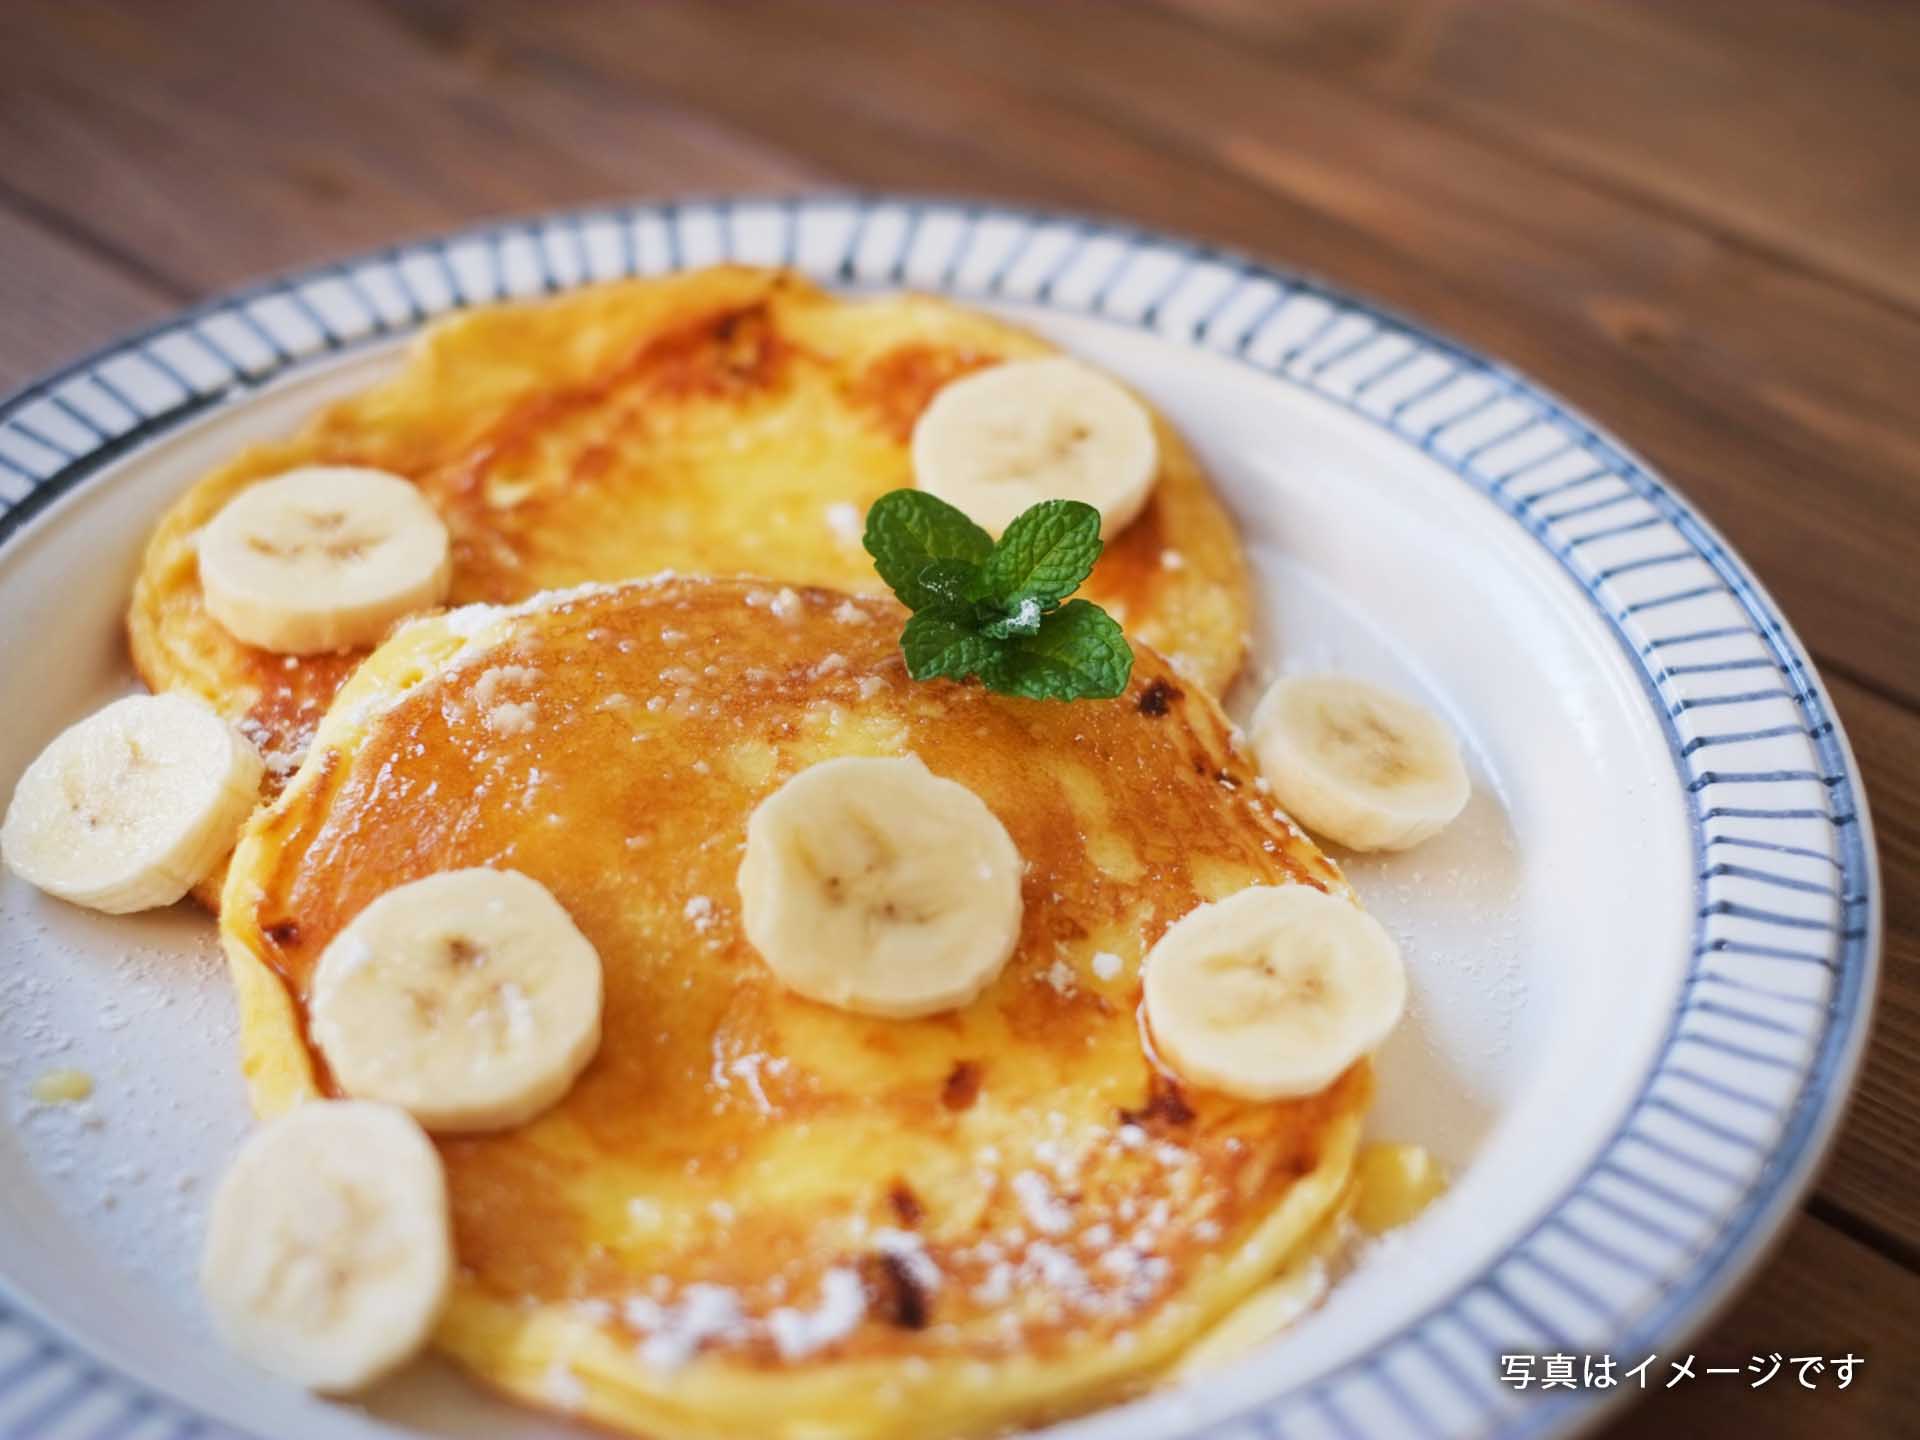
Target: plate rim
1745,1231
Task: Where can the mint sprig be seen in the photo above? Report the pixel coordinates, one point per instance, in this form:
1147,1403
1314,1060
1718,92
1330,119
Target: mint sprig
999,610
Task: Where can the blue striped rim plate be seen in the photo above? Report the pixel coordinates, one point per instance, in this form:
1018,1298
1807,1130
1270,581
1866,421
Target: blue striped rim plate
1737,1058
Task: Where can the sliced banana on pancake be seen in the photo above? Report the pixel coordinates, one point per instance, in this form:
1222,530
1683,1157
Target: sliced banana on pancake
323,558
1358,764
469,999
1272,993
1002,439
877,886
131,807
329,1251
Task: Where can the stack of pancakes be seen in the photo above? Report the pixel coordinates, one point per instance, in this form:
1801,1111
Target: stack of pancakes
755,1215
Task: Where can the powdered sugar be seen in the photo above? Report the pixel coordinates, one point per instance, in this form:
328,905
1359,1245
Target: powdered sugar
784,602
505,717
1044,1210
511,717
911,1251
843,519
841,1307
675,1334
563,1387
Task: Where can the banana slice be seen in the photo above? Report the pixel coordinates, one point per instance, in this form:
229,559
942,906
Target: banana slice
877,886
329,1252
323,558
1271,993
1358,764
133,806
469,999
999,440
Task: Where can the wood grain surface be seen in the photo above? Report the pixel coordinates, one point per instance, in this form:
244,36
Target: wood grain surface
1696,219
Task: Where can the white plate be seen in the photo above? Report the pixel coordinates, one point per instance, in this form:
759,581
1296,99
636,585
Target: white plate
1642,963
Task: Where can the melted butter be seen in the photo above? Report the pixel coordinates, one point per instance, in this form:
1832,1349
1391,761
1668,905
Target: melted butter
1391,1186
63,1087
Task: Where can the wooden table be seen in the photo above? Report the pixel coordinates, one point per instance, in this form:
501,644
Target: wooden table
1698,219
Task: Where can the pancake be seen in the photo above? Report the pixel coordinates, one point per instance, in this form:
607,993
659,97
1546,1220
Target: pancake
753,1215
725,421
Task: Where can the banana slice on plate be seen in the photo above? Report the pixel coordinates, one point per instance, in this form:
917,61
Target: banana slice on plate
877,886
999,440
133,806
1271,993
469,999
1358,764
329,1251
322,558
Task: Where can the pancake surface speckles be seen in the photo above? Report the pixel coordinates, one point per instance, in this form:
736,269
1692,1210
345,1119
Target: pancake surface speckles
755,1215
727,421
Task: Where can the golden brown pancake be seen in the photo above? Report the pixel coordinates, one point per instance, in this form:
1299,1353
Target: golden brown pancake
726,421
754,1215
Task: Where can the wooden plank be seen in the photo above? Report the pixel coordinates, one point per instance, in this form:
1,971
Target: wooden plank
1822,1294
259,137
57,301
1870,1174
1714,109
1778,400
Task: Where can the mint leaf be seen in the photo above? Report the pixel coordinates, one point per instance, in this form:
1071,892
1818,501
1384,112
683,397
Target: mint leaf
994,610
944,640
1024,619
909,532
948,582
1077,653
1043,555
